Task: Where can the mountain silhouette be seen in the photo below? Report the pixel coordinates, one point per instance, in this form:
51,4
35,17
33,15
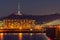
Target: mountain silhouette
38,18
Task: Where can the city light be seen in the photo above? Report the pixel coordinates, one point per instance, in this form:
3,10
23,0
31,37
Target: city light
1,36
20,36
30,29
20,28
49,38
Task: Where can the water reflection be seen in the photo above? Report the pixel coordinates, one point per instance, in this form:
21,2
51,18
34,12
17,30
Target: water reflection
1,36
20,36
23,36
11,36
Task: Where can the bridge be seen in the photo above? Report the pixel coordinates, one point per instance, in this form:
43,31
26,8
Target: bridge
20,31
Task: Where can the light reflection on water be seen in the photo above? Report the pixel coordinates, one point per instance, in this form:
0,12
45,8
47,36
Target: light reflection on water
1,36
23,36
20,36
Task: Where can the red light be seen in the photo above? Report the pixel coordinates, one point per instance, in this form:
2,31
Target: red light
49,38
51,26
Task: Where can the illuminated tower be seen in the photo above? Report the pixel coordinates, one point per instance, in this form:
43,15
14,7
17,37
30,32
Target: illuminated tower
19,13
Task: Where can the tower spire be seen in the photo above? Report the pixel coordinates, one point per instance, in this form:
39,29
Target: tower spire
19,13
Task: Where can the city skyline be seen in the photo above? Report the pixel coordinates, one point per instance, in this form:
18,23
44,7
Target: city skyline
32,7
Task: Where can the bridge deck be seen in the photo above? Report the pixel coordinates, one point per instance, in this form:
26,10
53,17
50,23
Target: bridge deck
20,31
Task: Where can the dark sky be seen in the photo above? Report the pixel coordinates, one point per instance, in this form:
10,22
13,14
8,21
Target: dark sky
34,7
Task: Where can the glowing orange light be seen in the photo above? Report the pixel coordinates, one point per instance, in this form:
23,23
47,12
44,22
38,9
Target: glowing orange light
1,36
20,36
20,28
30,29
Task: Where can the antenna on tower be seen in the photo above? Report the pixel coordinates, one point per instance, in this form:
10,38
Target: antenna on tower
19,13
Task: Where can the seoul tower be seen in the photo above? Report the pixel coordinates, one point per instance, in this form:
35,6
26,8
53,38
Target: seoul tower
19,12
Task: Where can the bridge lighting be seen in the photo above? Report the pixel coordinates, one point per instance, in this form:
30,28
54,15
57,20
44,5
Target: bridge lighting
30,29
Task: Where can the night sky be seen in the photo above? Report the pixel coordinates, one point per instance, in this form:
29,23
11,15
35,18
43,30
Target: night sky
32,7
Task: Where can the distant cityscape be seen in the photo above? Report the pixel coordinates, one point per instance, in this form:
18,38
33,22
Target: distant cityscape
18,22
32,23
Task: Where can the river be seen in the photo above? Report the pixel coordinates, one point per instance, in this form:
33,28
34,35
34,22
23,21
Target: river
23,36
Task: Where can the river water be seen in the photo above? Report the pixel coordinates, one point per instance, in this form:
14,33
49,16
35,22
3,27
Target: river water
23,36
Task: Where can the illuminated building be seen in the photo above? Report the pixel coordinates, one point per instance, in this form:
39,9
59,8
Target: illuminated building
19,23
1,24
58,32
